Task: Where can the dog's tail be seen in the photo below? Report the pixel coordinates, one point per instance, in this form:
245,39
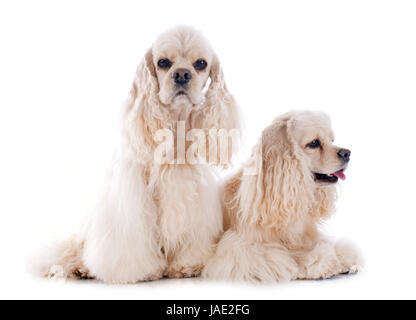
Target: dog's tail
61,260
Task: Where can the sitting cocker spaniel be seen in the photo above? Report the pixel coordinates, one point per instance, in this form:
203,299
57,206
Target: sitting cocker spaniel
273,206
159,215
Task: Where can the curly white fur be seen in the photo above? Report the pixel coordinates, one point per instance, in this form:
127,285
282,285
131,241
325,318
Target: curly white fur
155,219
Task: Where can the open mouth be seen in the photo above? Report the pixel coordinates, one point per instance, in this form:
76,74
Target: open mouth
330,178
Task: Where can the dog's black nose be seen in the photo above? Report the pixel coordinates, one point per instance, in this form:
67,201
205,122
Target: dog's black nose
181,76
344,154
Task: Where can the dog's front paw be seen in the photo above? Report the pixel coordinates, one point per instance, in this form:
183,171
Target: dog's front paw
184,271
352,269
349,257
320,263
154,276
56,272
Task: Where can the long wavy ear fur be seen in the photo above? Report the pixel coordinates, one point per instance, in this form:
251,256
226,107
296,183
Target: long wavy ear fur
144,113
220,112
282,192
220,109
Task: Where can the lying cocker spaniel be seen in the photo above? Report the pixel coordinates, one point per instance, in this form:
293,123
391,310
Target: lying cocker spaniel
273,206
155,218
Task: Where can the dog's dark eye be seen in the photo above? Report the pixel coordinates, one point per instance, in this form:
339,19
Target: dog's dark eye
200,64
314,144
164,63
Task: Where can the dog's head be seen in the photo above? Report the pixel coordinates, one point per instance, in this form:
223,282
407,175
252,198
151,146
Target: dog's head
182,59
299,167
170,85
314,139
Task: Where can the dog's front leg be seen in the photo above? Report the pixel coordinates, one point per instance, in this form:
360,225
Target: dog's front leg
122,239
189,260
327,259
190,218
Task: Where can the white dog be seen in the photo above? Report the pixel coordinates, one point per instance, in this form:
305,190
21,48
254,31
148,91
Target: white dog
156,219
272,214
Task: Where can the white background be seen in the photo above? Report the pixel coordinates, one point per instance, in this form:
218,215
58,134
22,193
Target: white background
67,66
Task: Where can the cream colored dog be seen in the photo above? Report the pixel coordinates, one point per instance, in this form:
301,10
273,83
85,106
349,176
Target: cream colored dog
154,218
274,204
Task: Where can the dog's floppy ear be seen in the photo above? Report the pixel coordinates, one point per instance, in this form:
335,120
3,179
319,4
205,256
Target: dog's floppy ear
221,109
282,191
144,113
145,81
220,112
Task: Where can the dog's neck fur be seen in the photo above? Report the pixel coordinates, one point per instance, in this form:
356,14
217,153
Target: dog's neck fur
180,109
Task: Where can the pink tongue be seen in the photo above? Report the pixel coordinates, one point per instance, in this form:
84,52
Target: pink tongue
340,175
